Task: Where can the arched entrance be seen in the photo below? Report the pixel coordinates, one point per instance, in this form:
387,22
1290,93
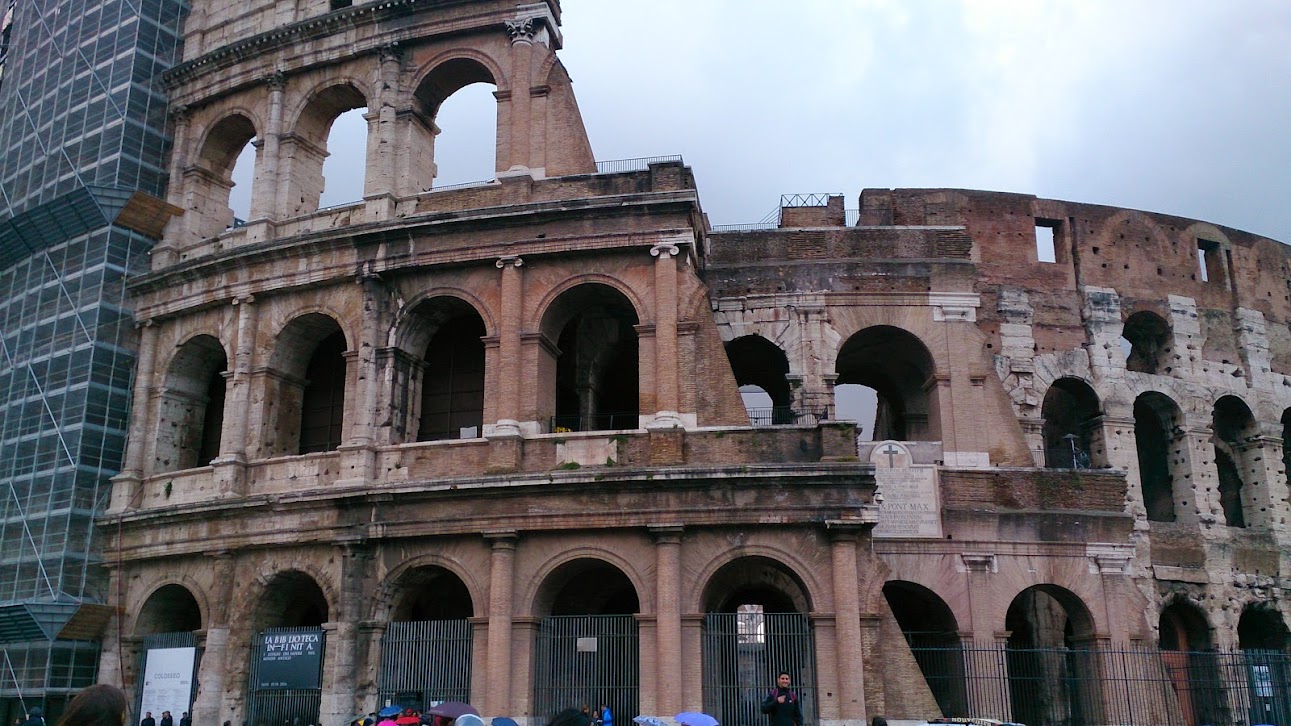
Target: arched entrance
287,651
169,656
192,405
758,364
426,647
897,366
1234,426
1156,418
1191,665
587,647
755,627
932,634
1262,638
1053,674
596,382
1071,413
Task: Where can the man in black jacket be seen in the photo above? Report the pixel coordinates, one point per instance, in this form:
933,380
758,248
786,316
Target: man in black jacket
782,704
148,720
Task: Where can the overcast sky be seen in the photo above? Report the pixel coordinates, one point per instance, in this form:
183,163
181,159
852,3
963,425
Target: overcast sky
1176,106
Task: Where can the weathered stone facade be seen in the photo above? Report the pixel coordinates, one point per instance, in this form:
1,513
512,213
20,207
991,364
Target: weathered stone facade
513,402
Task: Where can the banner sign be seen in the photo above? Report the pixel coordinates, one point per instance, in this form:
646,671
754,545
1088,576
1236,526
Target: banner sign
290,661
168,682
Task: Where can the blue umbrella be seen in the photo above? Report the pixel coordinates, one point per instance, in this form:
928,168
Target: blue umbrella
647,721
390,711
504,721
693,718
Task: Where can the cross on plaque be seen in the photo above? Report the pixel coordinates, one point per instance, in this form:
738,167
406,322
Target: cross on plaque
891,451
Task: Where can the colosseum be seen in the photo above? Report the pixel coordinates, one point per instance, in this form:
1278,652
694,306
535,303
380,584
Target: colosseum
489,443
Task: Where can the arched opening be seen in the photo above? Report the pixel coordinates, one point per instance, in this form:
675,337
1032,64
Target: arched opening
302,153
1156,418
307,396
345,168
587,648
1262,637
1072,425
191,406
932,635
170,609
426,647
452,388
755,626
211,180
596,384
287,652
457,98
1051,665
760,366
242,176
854,402
1148,336
1191,664
1233,426
897,365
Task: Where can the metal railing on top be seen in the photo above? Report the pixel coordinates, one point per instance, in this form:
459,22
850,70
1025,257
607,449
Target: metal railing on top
785,416
806,200
620,166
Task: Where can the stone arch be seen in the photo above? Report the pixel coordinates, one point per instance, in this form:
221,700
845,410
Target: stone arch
1072,416
1127,243
1234,429
289,598
439,373
303,150
208,182
586,582
1212,249
1045,619
430,592
591,380
812,588
384,604
405,333
308,386
441,79
1158,421
544,316
757,362
900,368
169,608
1187,646
1150,341
776,586
1262,627
932,633
191,405
1183,626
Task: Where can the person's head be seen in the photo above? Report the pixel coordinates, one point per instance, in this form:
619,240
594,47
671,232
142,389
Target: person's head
35,712
148,714
100,705
879,721
783,680
568,717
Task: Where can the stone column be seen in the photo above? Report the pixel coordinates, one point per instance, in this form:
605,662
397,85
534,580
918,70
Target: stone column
126,486
1103,326
383,150
1266,499
507,375
665,335
340,671
264,203
1185,327
1196,480
497,697
847,624
230,465
522,33
667,552
216,660
1253,342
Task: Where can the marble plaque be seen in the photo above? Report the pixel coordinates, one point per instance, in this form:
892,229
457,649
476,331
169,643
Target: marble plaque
910,506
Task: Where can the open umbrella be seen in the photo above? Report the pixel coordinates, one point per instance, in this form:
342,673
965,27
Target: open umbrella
468,719
452,709
390,711
407,720
359,719
504,721
693,718
647,721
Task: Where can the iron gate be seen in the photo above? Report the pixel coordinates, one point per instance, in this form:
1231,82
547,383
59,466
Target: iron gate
283,706
743,654
184,639
587,659
424,663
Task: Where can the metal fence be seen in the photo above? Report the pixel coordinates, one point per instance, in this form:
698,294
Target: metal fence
619,166
785,416
424,663
743,653
1116,685
587,659
286,706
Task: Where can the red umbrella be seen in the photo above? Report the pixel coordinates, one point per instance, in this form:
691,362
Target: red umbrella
406,720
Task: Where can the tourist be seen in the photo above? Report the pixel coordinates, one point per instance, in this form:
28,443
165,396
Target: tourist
100,705
782,704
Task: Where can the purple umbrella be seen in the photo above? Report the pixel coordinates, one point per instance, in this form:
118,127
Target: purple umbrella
452,709
692,718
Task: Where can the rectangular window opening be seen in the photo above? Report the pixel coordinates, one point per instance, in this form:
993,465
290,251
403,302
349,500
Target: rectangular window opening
1046,235
1208,259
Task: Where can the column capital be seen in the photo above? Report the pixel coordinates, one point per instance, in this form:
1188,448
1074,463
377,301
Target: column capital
665,250
276,81
509,261
666,533
242,299
502,540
